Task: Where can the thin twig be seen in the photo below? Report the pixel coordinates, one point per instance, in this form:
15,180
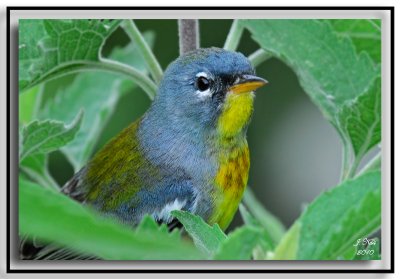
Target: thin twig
133,32
188,35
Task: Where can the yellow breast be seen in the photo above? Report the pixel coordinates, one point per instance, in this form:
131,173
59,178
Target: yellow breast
234,161
231,181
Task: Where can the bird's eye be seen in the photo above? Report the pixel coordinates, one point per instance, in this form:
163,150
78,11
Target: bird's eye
202,83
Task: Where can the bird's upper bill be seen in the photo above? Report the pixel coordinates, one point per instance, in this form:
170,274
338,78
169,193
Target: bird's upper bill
247,83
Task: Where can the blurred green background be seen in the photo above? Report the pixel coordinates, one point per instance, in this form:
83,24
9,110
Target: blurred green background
295,152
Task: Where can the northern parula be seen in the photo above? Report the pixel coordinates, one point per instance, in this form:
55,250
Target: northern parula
189,150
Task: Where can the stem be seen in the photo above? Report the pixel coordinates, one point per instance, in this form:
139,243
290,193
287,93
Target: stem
346,161
45,180
374,163
141,79
350,169
271,223
104,65
354,166
188,35
133,32
258,57
234,35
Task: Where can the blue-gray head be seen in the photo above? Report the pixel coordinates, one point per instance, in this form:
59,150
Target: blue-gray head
197,85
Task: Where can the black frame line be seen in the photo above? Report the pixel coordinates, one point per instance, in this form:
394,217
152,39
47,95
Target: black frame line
225,270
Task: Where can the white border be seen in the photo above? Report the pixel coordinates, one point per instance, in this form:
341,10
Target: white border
234,14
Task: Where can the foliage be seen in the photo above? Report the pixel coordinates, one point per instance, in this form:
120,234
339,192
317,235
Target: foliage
63,221
205,237
338,65
337,218
46,136
106,87
343,84
54,47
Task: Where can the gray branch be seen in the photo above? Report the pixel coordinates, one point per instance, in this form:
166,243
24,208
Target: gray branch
188,35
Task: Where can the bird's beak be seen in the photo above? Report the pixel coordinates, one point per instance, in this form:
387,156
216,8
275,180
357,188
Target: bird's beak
247,83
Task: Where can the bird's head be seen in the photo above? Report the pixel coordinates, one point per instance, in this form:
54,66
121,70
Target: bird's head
210,89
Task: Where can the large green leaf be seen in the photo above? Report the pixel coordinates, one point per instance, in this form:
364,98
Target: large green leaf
360,119
239,245
328,66
364,33
53,46
97,93
333,222
207,238
53,217
357,222
45,136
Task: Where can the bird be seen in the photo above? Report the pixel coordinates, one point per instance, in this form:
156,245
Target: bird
187,152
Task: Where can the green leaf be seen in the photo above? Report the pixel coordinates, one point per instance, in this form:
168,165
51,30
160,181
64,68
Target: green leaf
358,222
368,249
328,67
53,47
348,255
239,245
360,119
335,220
147,224
28,104
332,223
205,237
97,93
46,136
266,243
287,249
364,33
62,221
